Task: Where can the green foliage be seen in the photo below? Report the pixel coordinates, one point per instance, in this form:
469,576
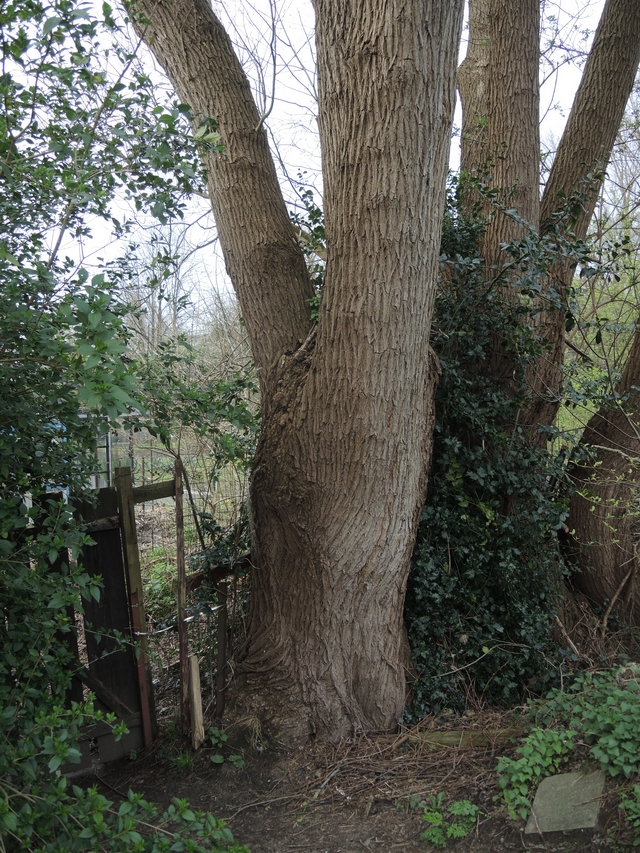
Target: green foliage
227,545
600,712
173,733
542,752
486,570
179,395
95,823
217,738
158,577
184,762
312,237
79,124
446,823
600,319
605,708
630,805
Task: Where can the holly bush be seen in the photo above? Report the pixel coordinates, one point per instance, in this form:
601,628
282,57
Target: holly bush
80,126
487,570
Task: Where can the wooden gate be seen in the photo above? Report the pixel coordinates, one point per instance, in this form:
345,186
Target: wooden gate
117,669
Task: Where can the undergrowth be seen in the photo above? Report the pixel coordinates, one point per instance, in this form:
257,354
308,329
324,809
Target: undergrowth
447,823
597,720
486,570
72,136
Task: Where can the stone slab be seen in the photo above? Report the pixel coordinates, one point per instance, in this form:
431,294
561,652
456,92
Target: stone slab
566,802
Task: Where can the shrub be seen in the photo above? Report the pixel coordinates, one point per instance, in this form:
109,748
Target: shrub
599,713
64,378
486,570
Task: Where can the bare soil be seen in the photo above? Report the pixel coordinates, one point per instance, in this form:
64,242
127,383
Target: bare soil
355,796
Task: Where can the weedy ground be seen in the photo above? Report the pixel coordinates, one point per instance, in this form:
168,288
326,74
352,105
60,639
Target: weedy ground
385,793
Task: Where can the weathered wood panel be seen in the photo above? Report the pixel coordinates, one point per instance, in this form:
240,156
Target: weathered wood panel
110,663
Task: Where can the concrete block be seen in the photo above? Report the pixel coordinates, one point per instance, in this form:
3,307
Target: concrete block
566,802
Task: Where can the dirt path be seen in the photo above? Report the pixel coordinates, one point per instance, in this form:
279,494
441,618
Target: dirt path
362,795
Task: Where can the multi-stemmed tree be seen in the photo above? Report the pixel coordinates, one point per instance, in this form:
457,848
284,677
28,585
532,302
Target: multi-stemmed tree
340,472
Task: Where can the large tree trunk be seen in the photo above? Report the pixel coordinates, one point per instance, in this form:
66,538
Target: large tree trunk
339,476
584,150
497,77
513,131
605,512
500,95
473,83
602,515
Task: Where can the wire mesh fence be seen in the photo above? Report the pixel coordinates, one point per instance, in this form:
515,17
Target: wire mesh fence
213,504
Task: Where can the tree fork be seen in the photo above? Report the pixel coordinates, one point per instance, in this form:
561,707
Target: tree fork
340,473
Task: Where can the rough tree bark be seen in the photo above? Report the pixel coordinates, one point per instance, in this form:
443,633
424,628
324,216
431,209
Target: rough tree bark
473,84
497,77
585,149
602,515
500,95
339,476
261,253
604,512
513,132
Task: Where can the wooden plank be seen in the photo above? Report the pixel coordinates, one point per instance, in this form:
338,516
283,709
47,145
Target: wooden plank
183,643
131,556
154,491
102,693
107,499
106,506
102,728
110,749
455,738
144,676
195,702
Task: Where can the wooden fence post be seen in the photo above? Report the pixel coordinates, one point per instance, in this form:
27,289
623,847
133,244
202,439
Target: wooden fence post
195,702
183,642
126,512
222,648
